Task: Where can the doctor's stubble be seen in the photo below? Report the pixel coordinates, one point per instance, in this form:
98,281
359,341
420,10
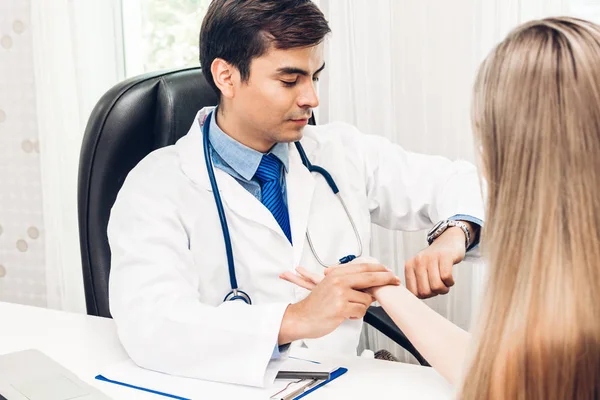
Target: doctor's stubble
536,115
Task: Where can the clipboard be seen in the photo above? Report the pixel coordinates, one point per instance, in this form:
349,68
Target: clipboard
129,375
334,375
302,388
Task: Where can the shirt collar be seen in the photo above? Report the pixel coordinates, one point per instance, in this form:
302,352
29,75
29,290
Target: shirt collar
241,158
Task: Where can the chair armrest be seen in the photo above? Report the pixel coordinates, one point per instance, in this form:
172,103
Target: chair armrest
378,319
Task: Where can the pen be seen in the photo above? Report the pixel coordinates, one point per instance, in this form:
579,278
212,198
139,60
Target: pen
301,390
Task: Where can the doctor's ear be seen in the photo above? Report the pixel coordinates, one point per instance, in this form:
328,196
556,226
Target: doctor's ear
223,75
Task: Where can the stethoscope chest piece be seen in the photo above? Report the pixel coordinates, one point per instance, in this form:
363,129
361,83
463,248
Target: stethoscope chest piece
238,295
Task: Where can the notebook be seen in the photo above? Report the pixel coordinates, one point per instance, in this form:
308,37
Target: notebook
32,375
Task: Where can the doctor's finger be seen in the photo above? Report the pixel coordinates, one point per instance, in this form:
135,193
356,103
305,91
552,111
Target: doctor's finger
297,280
368,280
435,281
423,288
355,269
446,266
410,279
355,296
310,276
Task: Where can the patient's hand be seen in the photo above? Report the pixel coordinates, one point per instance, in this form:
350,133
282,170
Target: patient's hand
308,280
303,278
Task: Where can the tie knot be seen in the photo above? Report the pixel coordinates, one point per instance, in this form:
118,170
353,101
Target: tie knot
269,169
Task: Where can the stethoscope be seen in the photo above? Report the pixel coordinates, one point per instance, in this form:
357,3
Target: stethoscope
236,293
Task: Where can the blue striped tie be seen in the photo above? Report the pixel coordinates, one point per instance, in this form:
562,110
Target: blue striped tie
268,175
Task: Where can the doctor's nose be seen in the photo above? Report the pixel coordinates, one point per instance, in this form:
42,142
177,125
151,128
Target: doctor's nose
308,97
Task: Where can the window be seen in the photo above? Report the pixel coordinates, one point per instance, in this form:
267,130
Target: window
161,34
586,9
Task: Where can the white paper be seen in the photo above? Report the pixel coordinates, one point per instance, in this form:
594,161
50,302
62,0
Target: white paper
128,372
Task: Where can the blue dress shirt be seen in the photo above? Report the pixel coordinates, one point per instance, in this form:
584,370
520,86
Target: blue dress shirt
240,161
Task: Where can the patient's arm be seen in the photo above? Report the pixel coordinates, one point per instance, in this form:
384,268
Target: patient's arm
443,344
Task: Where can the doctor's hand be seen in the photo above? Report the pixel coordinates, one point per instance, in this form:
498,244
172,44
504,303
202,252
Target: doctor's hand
308,280
429,273
336,297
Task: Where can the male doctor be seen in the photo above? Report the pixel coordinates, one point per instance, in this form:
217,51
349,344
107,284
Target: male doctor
169,272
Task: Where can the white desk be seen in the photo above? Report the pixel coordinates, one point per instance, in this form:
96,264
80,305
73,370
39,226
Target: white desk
88,345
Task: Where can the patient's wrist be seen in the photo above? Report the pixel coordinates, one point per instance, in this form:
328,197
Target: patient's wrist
375,292
383,293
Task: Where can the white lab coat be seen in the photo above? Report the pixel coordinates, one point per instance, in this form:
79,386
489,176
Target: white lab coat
169,268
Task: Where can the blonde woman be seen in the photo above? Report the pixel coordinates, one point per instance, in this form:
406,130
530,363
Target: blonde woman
536,116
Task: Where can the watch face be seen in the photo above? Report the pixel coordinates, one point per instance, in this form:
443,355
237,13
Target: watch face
436,227
437,230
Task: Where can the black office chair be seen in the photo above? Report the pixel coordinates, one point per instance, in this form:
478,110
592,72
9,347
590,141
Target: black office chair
132,119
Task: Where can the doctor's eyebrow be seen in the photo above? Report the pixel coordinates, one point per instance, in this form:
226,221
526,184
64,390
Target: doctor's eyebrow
299,71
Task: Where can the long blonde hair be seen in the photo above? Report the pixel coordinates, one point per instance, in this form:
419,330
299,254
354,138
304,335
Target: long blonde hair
536,118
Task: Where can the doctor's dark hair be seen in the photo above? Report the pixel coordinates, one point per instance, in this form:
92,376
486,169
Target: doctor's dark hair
238,31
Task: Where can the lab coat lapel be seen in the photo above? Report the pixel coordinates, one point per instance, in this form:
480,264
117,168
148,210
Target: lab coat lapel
235,197
241,202
300,189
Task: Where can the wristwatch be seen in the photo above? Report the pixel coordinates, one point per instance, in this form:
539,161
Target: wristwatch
441,227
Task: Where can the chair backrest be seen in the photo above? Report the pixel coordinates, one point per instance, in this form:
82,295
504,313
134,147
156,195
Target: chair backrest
131,120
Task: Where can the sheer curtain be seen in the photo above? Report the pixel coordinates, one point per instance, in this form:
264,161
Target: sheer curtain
76,57
404,70
398,68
